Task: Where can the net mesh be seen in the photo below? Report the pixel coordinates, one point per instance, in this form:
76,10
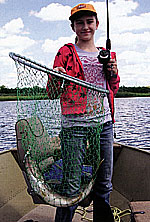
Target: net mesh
60,134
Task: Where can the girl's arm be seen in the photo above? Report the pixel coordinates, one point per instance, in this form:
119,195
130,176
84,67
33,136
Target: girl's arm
54,84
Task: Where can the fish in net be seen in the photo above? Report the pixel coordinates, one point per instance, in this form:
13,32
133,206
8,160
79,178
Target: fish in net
60,119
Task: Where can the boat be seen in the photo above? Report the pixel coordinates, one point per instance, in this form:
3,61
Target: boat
130,196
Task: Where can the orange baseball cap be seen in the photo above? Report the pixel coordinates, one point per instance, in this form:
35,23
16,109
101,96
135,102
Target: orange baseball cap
82,7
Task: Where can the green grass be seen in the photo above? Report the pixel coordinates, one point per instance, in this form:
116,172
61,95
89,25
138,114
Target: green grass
131,94
14,98
43,97
8,98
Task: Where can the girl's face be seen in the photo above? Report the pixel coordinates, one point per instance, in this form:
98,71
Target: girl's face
85,27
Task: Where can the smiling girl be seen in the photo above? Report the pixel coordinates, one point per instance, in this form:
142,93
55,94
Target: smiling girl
80,60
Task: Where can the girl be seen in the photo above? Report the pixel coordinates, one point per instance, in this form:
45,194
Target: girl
80,60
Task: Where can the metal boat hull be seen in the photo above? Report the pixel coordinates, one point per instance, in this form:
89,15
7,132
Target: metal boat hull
130,181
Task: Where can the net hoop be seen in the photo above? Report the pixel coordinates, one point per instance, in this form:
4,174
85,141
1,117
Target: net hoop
39,67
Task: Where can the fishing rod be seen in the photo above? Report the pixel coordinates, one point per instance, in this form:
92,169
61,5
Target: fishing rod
105,54
108,41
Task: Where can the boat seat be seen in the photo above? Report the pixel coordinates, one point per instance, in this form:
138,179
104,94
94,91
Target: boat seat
140,211
31,133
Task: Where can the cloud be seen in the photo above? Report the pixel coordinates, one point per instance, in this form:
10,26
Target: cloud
122,7
52,46
130,23
121,16
15,43
133,57
129,33
134,41
2,1
53,12
10,80
135,74
15,26
12,39
130,38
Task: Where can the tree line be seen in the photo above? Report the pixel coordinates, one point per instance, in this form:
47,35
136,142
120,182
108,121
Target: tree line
139,89
13,91
122,90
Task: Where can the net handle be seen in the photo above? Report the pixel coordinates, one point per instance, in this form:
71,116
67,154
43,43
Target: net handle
40,67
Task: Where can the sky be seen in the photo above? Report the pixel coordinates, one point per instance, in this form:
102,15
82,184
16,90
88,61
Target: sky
36,29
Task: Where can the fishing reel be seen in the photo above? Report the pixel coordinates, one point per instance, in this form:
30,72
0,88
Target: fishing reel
104,56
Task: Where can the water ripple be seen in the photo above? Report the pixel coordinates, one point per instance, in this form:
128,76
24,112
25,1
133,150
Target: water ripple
132,122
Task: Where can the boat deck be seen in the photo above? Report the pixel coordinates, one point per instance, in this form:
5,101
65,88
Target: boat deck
15,201
130,181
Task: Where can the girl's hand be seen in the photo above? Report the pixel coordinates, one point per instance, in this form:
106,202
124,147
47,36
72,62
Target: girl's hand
61,81
112,66
60,69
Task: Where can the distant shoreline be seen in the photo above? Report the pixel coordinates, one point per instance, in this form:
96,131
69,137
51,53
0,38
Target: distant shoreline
131,94
15,98
38,93
119,95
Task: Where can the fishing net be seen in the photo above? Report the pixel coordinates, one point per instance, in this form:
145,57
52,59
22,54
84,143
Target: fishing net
58,137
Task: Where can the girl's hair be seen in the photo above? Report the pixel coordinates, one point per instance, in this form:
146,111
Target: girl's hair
76,39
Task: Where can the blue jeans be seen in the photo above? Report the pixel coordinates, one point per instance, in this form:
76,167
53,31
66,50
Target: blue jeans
76,139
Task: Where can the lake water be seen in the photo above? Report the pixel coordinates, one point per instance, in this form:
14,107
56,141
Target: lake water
132,122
